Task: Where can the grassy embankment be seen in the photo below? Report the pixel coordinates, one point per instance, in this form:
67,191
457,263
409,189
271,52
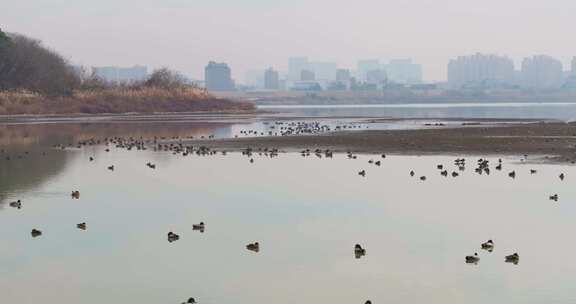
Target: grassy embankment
36,80
118,100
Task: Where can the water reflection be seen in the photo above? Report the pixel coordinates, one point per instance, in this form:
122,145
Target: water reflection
560,111
27,157
307,212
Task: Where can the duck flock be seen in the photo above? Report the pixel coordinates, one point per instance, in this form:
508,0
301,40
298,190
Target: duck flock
182,146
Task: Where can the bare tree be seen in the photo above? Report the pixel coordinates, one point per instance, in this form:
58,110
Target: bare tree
165,78
26,64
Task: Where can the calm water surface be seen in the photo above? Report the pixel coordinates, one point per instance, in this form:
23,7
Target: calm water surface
307,213
548,110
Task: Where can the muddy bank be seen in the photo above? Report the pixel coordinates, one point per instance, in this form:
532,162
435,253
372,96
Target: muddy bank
555,139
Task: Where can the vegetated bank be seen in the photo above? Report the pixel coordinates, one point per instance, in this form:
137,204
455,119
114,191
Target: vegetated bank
37,81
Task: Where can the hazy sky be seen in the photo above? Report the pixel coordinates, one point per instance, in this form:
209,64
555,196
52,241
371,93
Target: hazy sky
254,34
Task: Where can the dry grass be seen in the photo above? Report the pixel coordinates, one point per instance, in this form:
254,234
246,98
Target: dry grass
118,100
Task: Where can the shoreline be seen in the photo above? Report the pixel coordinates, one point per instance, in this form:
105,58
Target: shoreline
551,141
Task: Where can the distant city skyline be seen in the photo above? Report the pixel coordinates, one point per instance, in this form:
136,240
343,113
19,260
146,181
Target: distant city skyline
248,34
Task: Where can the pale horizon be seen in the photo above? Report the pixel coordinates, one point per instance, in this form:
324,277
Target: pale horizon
256,34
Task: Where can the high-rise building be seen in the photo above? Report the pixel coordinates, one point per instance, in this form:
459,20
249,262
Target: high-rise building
542,72
376,77
218,77
295,67
121,75
365,66
343,75
271,79
324,70
254,78
480,69
403,71
307,75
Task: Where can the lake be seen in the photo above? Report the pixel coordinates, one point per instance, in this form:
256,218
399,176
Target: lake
307,213
547,110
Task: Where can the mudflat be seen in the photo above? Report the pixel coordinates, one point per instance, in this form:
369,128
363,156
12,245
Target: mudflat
553,140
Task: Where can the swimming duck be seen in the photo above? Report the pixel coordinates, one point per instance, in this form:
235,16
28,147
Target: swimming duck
359,251
489,246
472,259
422,178
81,226
532,171
200,227
36,232
111,168
362,173
455,174
172,237
368,302
512,174
562,176
412,173
554,197
91,158
444,173
499,167
513,258
440,167
190,301
16,204
253,247
76,194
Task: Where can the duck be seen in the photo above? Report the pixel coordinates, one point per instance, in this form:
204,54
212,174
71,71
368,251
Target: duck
444,173
36,233
359,251
16,204
455,174
75,194
190,301
512,174
422,178
91,158
489,245
440,167
362,173
200,227
172,237
562,176
513,258
377,163
533,171
368,302
499,167
253,247
472,259
554,197
412,173
111,168
81,226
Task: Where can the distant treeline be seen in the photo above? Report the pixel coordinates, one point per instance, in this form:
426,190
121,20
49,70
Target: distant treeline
37,80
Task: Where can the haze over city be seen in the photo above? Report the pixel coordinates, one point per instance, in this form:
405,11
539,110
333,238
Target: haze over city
287,151
256,34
